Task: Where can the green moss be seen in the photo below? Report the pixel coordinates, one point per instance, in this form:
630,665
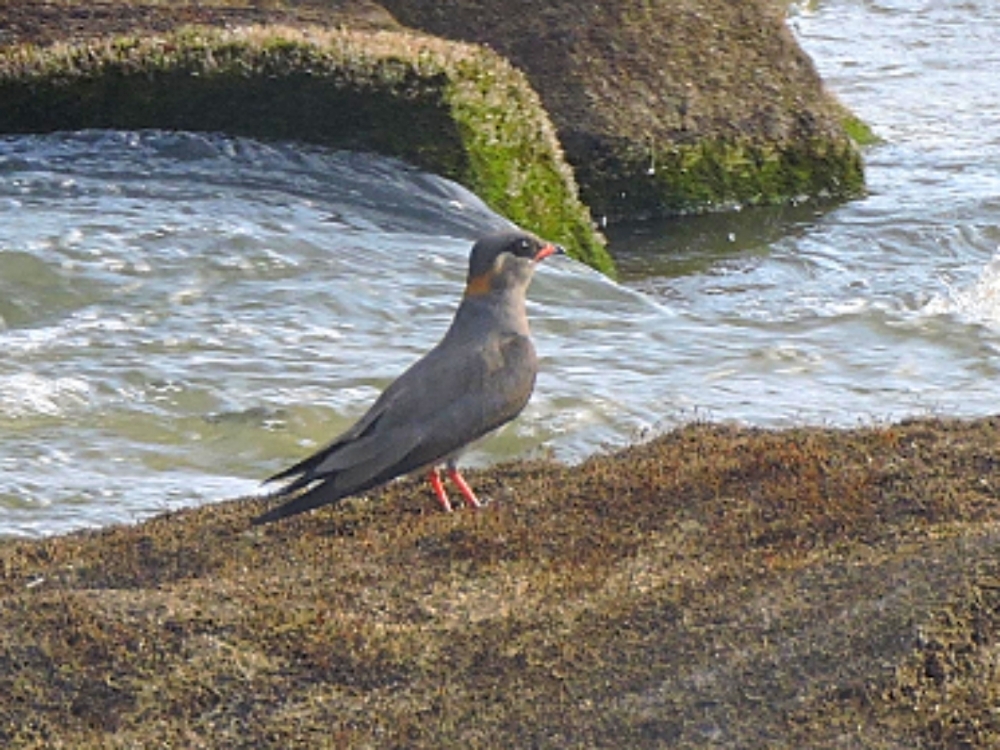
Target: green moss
515,161
712,175
858,130
455,109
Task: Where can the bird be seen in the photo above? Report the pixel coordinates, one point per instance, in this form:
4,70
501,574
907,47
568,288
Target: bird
478,377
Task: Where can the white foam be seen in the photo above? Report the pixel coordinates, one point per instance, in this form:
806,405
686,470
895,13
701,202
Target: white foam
976,303
26,394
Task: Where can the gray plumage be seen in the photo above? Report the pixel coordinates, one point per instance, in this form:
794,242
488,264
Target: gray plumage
477,378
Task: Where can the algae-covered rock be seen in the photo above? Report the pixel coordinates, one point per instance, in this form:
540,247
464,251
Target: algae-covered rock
456,109
718,587
668,106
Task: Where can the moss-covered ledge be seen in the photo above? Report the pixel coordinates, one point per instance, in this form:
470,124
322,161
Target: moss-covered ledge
457,109
667,107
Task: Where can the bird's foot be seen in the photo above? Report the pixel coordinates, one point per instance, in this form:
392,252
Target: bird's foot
471,500
439,492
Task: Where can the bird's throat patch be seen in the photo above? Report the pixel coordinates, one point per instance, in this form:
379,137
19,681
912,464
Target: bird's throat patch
479,285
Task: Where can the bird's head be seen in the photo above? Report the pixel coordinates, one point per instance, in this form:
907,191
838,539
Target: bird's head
505,260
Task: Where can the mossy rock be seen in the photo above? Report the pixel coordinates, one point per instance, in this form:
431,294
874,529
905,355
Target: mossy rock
456,109
666,107
711,175
719,586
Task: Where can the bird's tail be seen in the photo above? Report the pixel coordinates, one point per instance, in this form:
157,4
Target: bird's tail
304,472
321,494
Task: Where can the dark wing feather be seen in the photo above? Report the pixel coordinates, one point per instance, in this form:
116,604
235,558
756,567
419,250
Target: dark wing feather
336,484
306,470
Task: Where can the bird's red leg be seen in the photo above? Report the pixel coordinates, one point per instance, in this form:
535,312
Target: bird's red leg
438,486
470,497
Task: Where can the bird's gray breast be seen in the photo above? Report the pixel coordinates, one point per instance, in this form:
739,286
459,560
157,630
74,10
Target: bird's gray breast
509,369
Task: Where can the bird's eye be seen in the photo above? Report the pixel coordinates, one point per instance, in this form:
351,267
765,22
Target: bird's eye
524,246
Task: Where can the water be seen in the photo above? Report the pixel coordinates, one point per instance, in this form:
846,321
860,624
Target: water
183,314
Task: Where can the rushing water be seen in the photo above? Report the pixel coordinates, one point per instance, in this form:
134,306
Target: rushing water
183,314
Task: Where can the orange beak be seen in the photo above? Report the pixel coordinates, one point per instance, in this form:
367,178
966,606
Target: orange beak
547,250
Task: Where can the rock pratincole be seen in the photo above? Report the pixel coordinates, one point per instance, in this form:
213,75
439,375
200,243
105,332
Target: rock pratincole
479,377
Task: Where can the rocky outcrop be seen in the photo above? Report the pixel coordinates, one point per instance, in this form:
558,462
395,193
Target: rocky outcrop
719,587
667,106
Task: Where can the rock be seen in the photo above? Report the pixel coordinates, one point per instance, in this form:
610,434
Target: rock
667,106
719,586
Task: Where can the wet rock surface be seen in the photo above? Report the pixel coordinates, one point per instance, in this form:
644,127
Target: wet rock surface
716,587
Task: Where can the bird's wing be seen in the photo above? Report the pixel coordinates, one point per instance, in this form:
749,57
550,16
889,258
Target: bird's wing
310,468
327,483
